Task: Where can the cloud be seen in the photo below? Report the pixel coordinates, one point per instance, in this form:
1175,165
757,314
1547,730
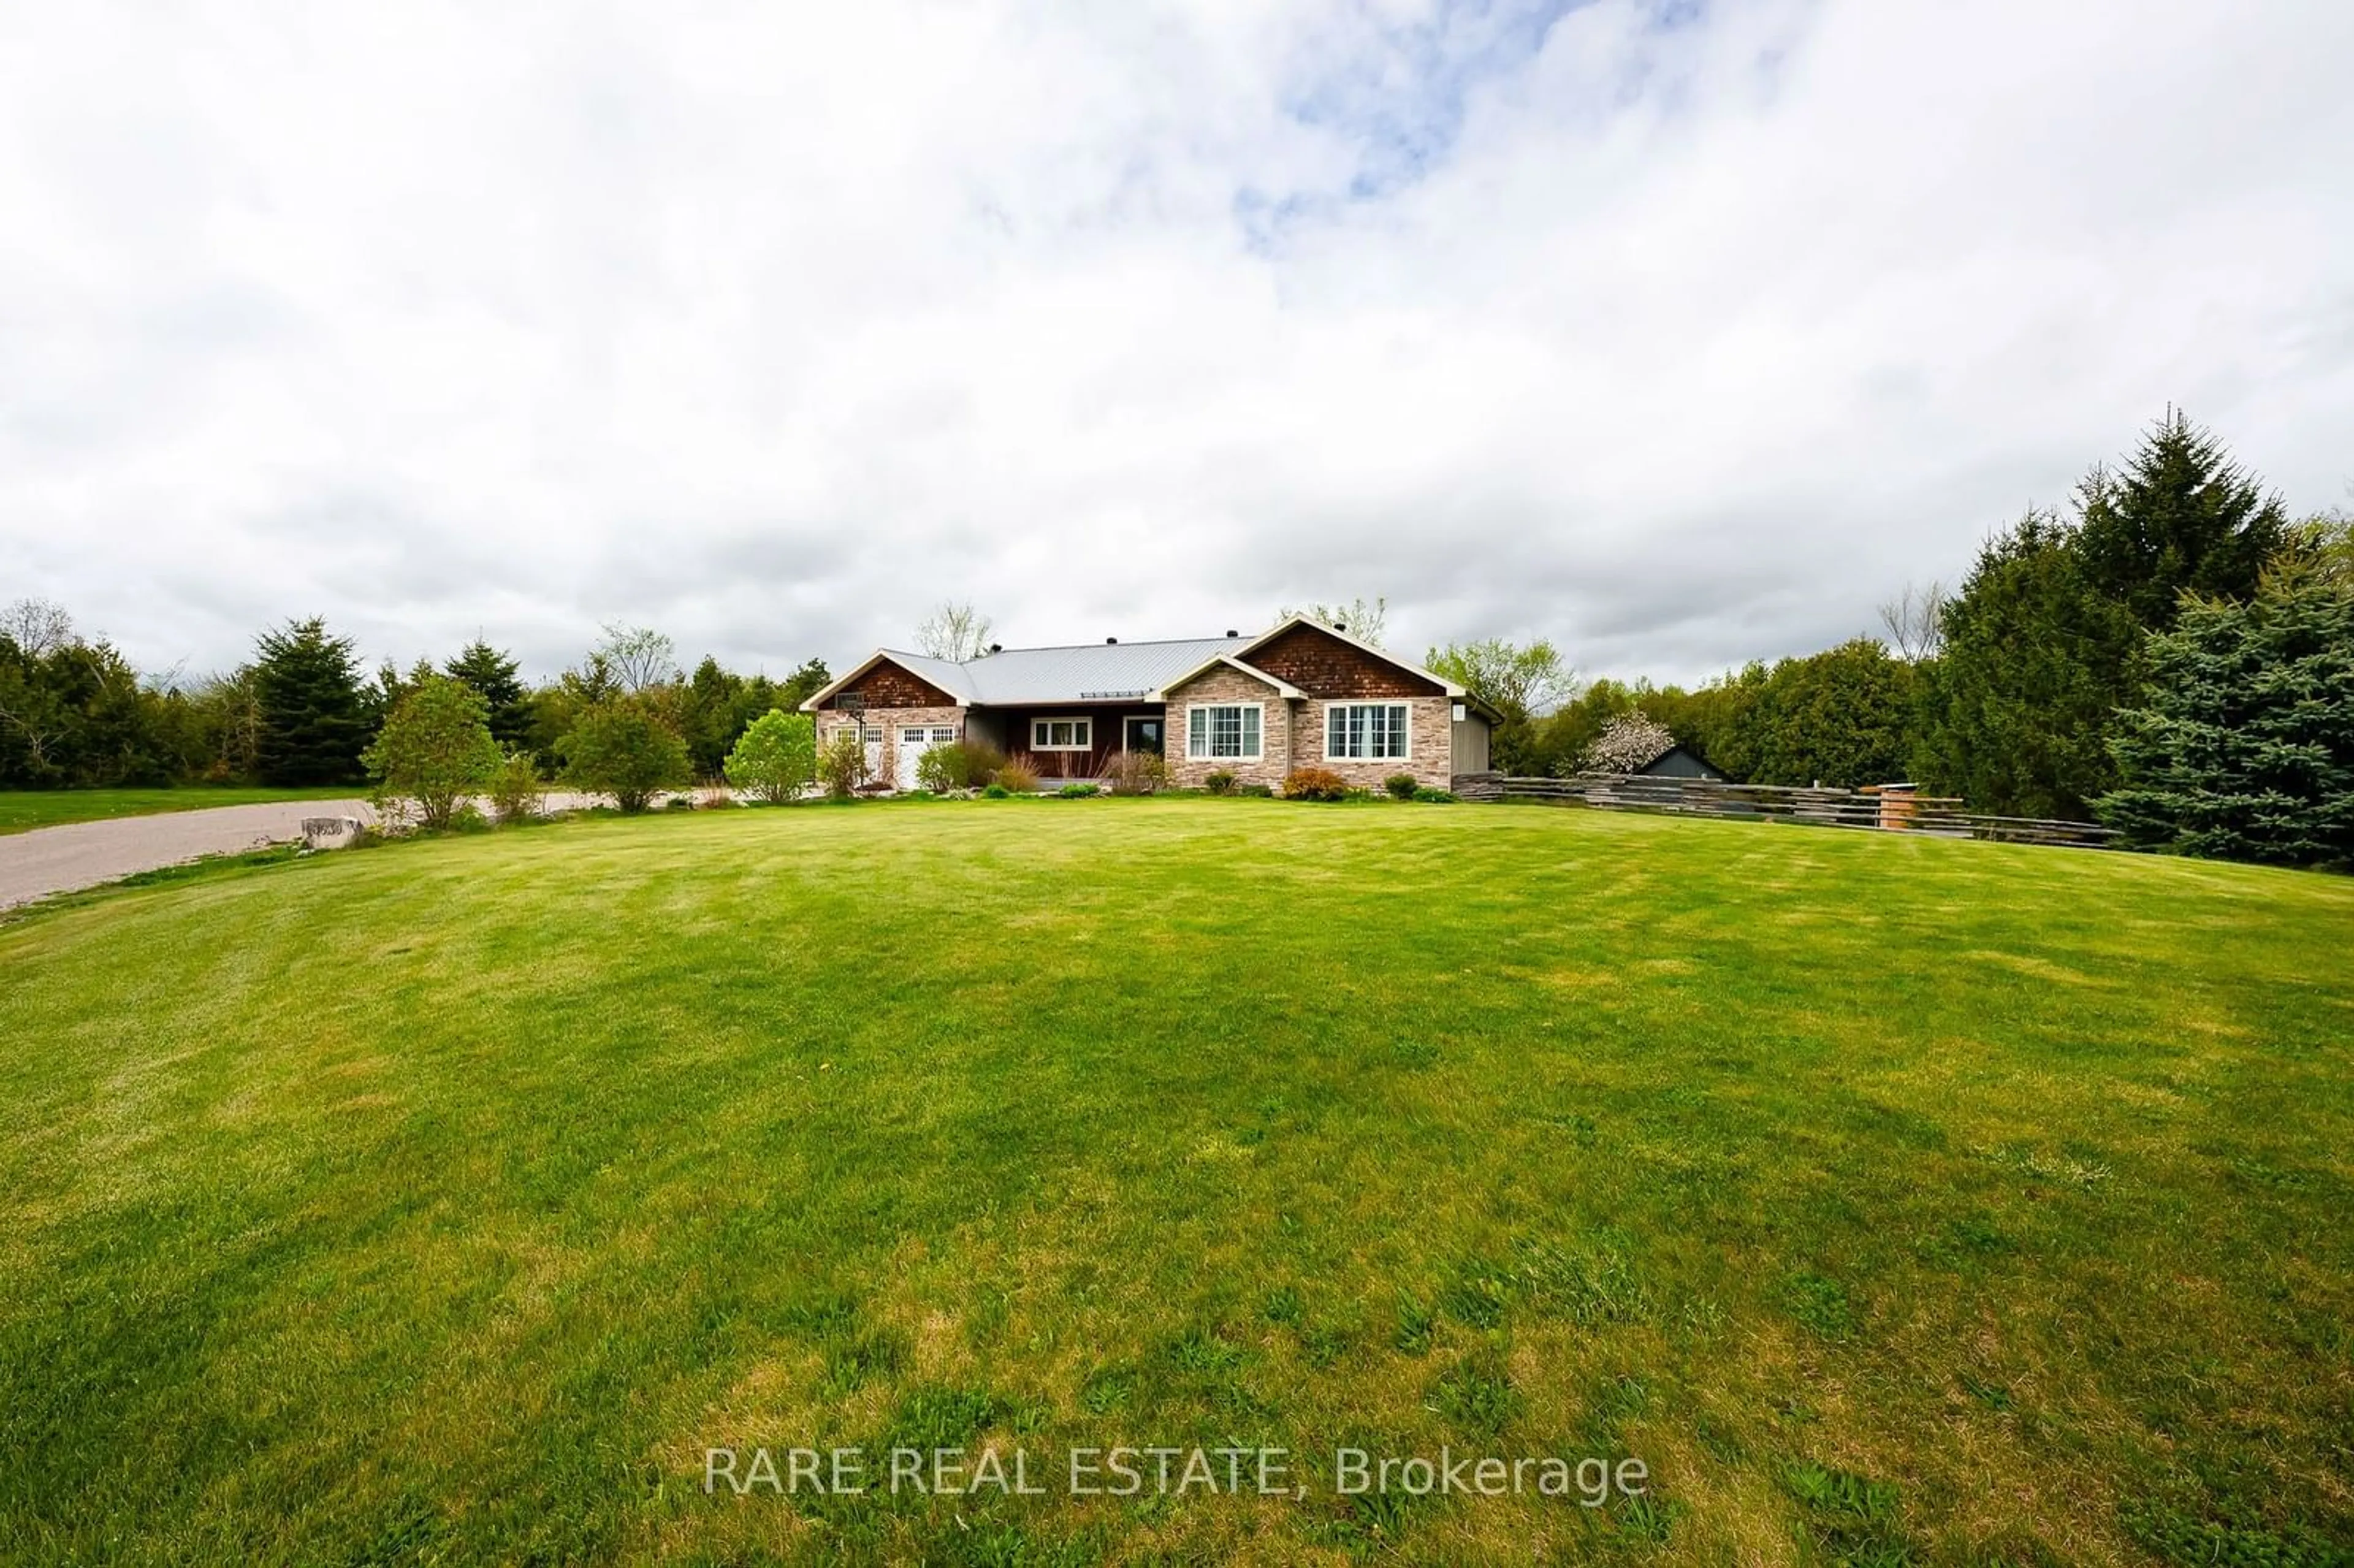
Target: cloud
1681,334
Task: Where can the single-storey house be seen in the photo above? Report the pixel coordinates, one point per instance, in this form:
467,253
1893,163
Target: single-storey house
1303,695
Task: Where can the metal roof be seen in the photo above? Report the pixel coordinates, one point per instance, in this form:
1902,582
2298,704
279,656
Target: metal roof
1084,672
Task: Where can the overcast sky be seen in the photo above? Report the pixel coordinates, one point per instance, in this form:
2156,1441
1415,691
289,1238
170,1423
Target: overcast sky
1680,333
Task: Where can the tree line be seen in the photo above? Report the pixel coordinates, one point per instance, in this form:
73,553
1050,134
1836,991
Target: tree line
2170,653
302,710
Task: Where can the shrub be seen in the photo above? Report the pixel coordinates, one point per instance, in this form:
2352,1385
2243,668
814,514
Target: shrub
1222,782
996,791
1018,777
1078,791
982,763
1401,785
516,792
622,747
436,750
961,765
776,757
1257,791
841,764
1138,772
1314,784
940,770
1435,797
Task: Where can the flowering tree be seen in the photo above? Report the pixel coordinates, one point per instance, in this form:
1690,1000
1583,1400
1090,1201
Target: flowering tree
1627,743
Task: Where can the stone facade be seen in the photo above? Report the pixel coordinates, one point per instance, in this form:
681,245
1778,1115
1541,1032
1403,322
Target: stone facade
1429,744
1292,736
1224,683
884,758
1327,669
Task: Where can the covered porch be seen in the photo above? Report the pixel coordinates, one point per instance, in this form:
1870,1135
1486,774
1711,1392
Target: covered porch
1071,740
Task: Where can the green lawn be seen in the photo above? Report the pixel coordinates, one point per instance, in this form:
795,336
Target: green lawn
1893,1201
21,809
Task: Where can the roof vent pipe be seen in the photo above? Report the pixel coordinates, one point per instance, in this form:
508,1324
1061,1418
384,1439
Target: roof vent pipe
1232,633
1111,641
997,648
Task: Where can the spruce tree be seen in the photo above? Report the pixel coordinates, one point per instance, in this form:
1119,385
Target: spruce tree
2243,748
314,717
498,680
2181,517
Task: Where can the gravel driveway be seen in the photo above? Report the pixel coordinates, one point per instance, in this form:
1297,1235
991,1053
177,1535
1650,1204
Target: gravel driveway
83,854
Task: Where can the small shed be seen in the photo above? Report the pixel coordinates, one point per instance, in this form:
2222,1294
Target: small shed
1680,762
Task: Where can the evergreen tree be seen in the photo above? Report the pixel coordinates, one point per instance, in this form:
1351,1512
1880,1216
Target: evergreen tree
2243,748
2036,659
498,681
2042,645
802,684
2180,517
75,713
713,718
314,717
1840,718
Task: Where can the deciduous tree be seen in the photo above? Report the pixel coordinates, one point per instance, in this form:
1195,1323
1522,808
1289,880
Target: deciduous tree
622,747
776,758
955,631
435,748
1367,620
1519,684
636,658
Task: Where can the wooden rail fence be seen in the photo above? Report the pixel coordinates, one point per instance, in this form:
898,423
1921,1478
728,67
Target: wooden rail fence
1885,808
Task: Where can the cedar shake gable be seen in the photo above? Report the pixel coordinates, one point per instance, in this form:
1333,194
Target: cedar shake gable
1325,664
886,683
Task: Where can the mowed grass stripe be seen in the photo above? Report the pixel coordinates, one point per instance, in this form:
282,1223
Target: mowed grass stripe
453,1197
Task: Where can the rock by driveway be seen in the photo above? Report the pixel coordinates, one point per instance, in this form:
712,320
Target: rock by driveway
83,854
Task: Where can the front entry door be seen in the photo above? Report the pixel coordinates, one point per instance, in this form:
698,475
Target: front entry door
1143,734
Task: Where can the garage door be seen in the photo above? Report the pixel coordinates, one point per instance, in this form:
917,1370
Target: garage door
915,739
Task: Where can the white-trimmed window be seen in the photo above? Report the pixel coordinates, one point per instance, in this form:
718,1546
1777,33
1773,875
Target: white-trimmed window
1062,734
1224,731
1365,732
